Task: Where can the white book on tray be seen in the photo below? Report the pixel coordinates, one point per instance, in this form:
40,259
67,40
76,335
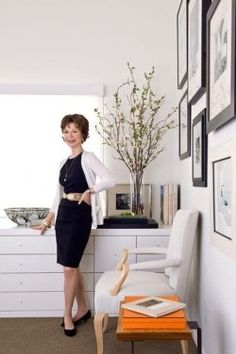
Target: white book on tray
154,306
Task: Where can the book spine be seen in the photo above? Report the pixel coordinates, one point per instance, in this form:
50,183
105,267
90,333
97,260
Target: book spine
166,205
170,204
154,320
157,325
161,203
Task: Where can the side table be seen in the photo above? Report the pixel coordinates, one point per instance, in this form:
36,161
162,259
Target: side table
182,335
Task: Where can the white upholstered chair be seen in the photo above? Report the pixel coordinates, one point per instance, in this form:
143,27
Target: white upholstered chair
136,279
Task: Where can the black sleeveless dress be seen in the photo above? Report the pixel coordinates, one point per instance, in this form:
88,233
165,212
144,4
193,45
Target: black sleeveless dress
74,221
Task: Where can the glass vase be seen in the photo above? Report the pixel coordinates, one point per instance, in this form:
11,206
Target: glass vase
137,193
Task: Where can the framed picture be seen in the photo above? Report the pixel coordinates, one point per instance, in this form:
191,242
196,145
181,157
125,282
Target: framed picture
220,63
222,180
222,196
197,10
182,42
118,200
199,150
184,128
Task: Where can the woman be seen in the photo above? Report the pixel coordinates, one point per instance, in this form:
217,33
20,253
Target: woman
76,207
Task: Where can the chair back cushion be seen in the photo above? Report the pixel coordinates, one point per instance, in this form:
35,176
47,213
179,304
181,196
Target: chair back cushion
181,245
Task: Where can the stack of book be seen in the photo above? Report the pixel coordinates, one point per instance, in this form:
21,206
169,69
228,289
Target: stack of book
169,202
135,320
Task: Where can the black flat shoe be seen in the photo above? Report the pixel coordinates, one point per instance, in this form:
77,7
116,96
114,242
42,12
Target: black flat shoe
82,319
70,332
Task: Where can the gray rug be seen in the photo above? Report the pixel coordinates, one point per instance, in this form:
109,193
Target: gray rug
45,336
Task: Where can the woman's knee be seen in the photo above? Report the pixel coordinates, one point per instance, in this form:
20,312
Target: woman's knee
69,272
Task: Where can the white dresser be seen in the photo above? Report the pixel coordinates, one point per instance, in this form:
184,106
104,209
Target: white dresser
31,282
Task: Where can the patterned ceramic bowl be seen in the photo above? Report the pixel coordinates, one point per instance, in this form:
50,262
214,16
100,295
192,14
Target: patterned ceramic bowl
26,216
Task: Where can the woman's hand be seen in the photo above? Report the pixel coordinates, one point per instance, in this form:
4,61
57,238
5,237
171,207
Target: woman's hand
85,197
43,228
45,223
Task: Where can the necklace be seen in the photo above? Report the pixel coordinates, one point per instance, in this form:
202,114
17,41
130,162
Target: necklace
68,169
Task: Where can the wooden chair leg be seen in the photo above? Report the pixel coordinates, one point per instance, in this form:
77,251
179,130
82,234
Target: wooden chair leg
184,345
100,327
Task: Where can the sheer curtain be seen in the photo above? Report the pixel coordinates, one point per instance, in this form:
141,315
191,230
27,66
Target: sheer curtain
31,145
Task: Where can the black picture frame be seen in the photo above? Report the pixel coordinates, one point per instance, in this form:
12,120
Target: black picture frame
221,62
184,127
197,12
199,150
182,43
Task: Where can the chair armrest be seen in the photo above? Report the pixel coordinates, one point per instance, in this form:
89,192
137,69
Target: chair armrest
139,250
123,259
124,272
162,263
148,250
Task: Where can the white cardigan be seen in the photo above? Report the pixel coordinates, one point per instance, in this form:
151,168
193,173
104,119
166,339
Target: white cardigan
92,168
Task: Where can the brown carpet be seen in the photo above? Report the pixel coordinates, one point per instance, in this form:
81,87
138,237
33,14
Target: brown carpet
45,336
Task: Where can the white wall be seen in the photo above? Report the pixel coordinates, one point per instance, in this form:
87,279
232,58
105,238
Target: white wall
212,300
78,41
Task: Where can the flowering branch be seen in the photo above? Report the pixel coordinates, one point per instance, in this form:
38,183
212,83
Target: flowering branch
132,128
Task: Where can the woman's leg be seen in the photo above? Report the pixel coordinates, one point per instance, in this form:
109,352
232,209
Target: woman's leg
80,296
69,294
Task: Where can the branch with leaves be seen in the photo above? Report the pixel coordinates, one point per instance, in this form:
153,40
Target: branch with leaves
132,127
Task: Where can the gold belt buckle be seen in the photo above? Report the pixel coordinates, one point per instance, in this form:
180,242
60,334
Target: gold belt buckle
71,197
74,197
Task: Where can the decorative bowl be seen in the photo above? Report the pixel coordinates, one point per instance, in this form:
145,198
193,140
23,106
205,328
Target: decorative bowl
26,216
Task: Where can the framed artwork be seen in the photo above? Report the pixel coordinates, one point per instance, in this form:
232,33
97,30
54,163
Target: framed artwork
182,42
184,128
222,196
199,150
220,63
118,200
197,10
222,180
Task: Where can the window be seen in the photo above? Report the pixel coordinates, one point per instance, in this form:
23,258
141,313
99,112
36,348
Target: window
31,145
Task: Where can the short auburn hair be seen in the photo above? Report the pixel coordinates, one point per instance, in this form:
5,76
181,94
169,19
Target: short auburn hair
79,121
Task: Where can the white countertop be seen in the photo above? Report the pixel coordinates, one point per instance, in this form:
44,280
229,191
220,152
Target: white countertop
8,228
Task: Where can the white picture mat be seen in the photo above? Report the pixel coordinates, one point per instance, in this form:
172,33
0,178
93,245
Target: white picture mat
194,47
220,84
182,41
222,174
217,153
197,150
121,193
184,125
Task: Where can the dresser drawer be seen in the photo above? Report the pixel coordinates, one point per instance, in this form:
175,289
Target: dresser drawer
32,301
38,282
38,263
27,244
33,245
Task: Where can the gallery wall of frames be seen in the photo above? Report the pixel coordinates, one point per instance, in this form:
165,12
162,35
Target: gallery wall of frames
206,65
